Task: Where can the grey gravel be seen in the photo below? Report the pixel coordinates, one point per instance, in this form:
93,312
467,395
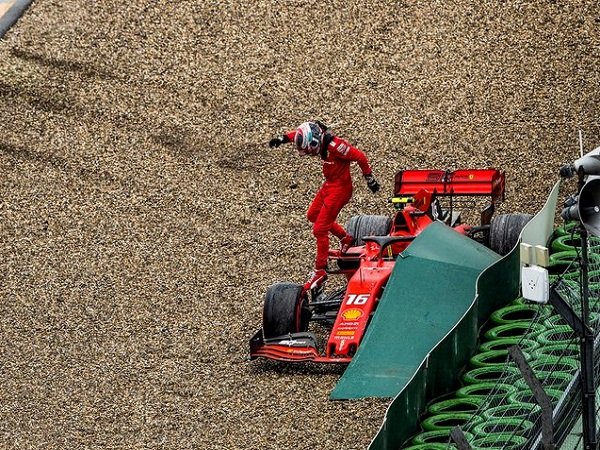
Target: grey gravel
142,214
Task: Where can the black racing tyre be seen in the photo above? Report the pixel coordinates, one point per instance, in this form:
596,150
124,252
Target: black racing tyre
366,225
488,374
527,345
515,329
518,313
448,421
505,441
284,310
468,405
435,436
513,410
361,226
508,425
505,230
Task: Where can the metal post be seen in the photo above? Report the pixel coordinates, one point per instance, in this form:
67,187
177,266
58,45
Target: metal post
588,392
458,437
540,395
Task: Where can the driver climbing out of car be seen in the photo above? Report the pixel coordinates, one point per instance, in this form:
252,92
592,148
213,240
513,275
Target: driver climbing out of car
315,139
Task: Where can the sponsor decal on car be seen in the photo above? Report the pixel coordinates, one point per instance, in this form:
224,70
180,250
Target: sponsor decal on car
345,333
352,314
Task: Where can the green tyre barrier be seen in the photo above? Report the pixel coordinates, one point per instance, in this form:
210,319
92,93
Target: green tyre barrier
447,421
560,267
568,350
573,256
557,320
436,437
492,393
561,334
456,405
488,374
566,229
553,321
527,345
593,278
431,446
571,243
526,396
567,255
554,364
549,379
512,330
492,358
504,441
519,301
518,313
510,425
512,410
565,243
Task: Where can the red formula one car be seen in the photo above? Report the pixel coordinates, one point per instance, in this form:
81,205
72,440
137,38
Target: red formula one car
289,308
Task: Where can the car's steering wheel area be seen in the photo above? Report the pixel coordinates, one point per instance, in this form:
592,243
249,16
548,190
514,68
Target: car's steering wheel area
385,241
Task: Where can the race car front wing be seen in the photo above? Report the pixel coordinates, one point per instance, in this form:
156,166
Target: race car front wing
291,347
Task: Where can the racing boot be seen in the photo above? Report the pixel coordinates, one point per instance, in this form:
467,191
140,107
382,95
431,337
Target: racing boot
346,243
315,279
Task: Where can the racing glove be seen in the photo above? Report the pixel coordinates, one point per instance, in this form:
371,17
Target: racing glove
372,183
277,141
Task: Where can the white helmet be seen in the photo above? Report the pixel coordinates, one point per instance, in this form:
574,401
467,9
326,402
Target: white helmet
309,139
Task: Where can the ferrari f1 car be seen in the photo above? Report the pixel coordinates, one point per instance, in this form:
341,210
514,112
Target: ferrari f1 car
420,197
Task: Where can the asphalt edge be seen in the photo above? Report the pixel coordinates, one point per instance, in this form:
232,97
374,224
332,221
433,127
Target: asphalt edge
12,15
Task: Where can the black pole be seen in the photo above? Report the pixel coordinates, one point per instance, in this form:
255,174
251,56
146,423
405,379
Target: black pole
540,395
588,391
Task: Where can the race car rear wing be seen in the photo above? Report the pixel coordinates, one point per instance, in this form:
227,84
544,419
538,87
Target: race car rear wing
464,182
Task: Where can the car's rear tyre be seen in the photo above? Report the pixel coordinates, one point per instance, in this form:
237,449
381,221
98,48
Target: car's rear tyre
285,310
361,226
505,230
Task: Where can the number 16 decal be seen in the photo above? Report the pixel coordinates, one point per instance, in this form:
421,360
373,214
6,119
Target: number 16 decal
357,299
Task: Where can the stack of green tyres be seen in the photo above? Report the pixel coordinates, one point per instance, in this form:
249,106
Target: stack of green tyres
494,407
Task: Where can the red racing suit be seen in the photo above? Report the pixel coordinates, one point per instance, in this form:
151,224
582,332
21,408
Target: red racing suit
336,191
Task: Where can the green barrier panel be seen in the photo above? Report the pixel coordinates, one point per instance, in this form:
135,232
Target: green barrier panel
402,417
431,287
496,287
